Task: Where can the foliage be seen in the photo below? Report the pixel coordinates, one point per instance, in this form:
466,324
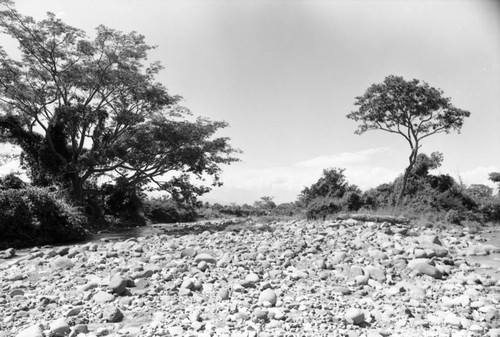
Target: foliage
411,109
495,177
123,202
166,210
332,184
321,207
379,197
36,216
351,201
454,216
265,203
84,108
11,181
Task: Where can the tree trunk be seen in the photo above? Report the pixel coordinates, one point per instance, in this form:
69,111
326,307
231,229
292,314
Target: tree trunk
412,160
76,188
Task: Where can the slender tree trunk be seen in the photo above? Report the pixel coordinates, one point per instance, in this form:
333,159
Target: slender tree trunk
412,159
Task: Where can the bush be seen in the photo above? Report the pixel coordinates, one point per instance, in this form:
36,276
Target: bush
320,208
165,210
491,211
454,217
123,202
11,181
379,197
332,184
37,216
351,201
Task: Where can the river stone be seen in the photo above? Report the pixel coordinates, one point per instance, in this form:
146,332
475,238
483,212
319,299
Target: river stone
8,253
62,251
269,296
62,262
205,257
338,258
15,277
59,327
117,284
103,297
16,292
203,266
73,312
184,292
354,316
112,314
422,267
376,273
432,239
32,331
142,274
187,284
260,314
223,294
81,328
189,252
419,253
89,286
246,283
252,277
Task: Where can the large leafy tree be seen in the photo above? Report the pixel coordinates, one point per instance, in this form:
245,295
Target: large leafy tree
411,109
82,107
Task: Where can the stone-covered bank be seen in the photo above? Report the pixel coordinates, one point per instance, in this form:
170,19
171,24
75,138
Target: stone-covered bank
340,278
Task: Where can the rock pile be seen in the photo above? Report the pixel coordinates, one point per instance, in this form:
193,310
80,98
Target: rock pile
340,278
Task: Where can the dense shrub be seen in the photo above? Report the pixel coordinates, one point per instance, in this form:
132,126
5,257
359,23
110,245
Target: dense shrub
491,210
332,184
11,181
36,216
379,197
123,203
351,201
454,216
165,210
321,207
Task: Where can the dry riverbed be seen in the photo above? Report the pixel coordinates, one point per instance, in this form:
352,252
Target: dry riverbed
333,278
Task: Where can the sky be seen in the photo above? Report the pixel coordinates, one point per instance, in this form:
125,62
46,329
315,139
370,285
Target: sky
284,75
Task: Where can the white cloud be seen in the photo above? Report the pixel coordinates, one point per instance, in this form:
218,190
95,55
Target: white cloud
243,184
344,158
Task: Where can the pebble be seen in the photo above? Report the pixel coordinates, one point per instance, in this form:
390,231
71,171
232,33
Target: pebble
112,314
297,277
117,284
354,316
205,257
103,297
62,262
31,331
268,296
59,327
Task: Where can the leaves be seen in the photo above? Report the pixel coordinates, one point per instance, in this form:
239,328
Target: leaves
81,108
412,109
409,108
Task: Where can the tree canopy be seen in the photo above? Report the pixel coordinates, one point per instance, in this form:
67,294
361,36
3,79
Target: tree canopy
82,108
411,109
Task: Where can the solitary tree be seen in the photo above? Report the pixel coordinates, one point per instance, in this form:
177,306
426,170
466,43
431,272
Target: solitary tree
412,109
82,108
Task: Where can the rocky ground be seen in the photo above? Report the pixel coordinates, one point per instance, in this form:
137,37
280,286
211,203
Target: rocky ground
332,278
